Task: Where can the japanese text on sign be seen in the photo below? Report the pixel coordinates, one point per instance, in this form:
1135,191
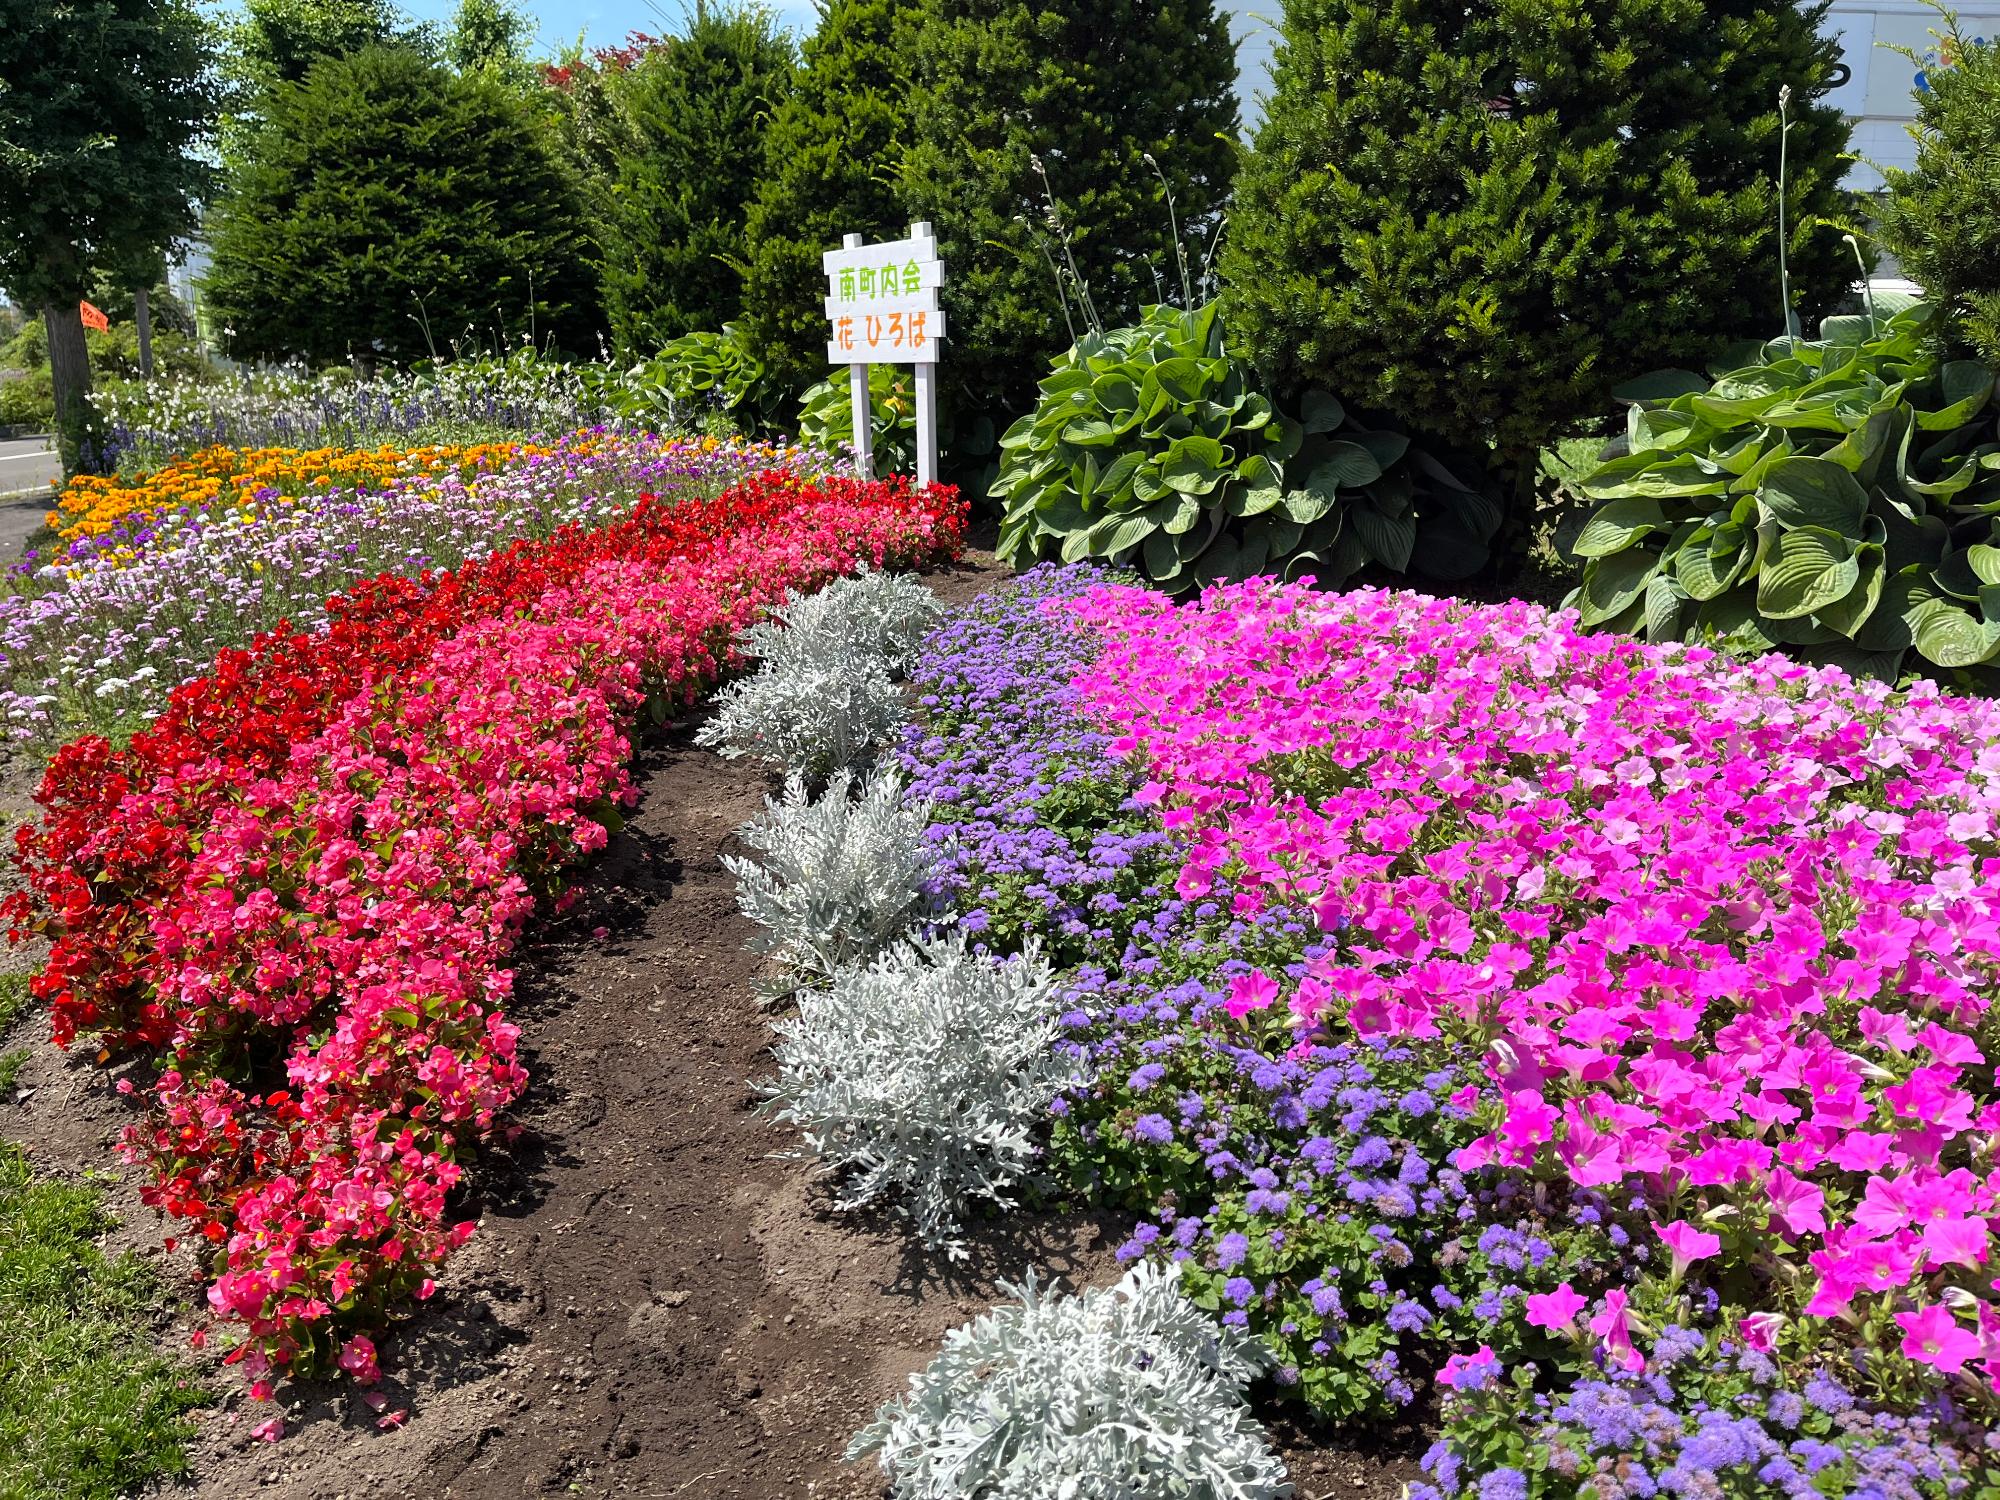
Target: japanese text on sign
882,303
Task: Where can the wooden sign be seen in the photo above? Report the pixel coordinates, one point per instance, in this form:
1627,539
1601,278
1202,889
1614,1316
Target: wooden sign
882,308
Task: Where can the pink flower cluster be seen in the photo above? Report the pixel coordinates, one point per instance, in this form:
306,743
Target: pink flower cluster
1729,931
352,909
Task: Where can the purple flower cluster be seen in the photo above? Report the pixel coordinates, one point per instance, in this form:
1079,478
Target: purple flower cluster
1708,1422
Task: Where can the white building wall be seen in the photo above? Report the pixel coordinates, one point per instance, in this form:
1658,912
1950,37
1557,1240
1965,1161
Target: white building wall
1878,95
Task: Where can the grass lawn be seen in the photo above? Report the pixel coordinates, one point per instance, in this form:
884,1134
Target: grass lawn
88,1406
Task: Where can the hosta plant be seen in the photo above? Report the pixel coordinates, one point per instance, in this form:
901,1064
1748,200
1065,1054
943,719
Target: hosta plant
826,417
920,1079
1836,496
1108,1394
1151,447
839,878
693,376
825,695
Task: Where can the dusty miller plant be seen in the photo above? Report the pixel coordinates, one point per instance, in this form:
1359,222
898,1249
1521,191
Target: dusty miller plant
919,1079
1125,1391
838,878
824,695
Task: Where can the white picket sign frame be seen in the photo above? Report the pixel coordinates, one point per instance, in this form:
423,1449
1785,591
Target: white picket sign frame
887,324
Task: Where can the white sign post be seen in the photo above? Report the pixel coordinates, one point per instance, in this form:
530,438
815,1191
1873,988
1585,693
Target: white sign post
882,305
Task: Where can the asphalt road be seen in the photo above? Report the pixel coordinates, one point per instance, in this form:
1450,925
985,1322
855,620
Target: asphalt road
27,464
26,467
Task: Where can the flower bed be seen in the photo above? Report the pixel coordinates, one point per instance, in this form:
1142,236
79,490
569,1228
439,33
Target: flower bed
1563,1019
95,636
106,505
321,854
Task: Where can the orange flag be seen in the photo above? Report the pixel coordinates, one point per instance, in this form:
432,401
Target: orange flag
92,318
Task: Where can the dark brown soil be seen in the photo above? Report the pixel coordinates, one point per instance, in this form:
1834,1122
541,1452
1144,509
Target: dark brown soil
657,1302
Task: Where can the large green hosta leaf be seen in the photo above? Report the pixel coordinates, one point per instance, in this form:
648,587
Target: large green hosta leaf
1831,496
1151,444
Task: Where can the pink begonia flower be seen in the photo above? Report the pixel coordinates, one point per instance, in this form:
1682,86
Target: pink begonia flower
1687,1244
1932,1336
1247,992
1955,1242
269,1431
357,1357
1470,1372
1614,1326
1760,1330
1556,1310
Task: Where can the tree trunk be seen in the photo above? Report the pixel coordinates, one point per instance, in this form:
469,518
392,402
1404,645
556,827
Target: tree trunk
142,315
69,374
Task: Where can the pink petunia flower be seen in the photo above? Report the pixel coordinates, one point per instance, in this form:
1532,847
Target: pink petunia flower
1614,1325
1556,1310
1247,992
1932,1336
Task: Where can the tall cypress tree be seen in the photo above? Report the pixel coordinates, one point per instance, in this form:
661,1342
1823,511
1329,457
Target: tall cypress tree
832,152
695,112
1481,218
1087,89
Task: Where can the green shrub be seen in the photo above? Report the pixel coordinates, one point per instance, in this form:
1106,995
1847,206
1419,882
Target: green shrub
1150,447
389,205
27,399
1085,88
830,157
1942,219
689,154
695,376
1835,496
1481,218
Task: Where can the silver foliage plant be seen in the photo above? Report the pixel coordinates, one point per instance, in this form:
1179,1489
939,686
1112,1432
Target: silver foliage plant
1113,1394
825,694
837,878
920,1078
882,616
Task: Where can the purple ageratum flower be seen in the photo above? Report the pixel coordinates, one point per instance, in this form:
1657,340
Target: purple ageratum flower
1230,1251
1503,1484
1156,1130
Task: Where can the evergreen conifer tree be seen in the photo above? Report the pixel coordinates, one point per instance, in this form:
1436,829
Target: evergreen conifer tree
1943,218
1021,104
832,152
389,207
695,112
1481,218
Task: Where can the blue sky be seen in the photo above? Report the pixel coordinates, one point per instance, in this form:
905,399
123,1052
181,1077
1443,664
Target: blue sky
605,21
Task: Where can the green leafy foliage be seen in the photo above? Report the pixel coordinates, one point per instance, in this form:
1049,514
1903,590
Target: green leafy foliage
1087,87
278,41
831,157
1152,447
390,206
826,417
1837,497
105,112
1943,217
1481,218
694,113
695,376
